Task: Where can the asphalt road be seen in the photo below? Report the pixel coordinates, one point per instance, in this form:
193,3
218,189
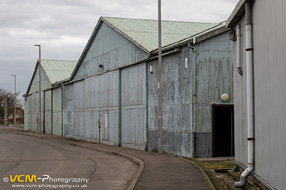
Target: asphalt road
59,159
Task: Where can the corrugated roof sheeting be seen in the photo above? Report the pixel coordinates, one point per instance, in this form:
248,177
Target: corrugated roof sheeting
145,32
204,34
58,70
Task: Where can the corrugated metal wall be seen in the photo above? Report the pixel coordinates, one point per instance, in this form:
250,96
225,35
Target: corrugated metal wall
51,107
48,111
51,111
90,103
133,101
110,49
269,88
31,118
57,111
45,83
68,111
177,99
124,102
214,71
214,77
95,101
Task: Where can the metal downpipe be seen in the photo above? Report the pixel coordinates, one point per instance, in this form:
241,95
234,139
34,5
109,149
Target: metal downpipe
238,50
194,51
249,96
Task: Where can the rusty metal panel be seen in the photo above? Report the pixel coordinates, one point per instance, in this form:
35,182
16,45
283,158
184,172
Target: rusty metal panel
48,111
57,111
133,100
109,49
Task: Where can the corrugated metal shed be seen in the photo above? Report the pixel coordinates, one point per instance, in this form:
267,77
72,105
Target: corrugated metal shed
112,95
143,33
54,72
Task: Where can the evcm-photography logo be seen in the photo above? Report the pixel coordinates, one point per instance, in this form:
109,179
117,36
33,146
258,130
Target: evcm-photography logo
45,178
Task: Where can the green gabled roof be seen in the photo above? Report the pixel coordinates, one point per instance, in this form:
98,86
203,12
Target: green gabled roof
145,32
58,70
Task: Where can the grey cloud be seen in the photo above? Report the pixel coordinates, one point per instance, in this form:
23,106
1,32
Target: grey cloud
63,27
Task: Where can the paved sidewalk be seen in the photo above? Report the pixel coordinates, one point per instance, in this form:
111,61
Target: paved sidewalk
160,171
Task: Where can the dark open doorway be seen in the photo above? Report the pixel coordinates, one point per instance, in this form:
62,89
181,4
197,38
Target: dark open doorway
223,130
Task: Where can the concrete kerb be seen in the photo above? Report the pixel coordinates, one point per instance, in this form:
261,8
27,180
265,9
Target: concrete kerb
133,159
208,181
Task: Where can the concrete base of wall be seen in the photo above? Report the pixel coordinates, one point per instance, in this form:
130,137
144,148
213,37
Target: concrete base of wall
174,142
181,143
133,146
203,145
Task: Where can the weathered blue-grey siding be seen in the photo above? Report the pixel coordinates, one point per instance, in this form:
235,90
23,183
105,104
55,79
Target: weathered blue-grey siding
95,101
213,77
91,108
133,101
32,100
177,99
124,102
68,110
48,111
110,49
57,120
214,71
31,116
212,67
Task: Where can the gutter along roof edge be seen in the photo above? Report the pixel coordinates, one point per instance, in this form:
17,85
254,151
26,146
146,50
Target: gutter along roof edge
201,36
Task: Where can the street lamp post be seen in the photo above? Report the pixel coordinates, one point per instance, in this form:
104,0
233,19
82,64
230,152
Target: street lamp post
39,66
14,99
160,119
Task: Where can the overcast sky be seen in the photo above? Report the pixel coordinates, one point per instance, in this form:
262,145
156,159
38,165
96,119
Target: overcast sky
63,27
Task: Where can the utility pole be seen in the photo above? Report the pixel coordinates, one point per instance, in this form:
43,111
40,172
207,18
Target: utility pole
6,113
160,119
14,99
39,66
